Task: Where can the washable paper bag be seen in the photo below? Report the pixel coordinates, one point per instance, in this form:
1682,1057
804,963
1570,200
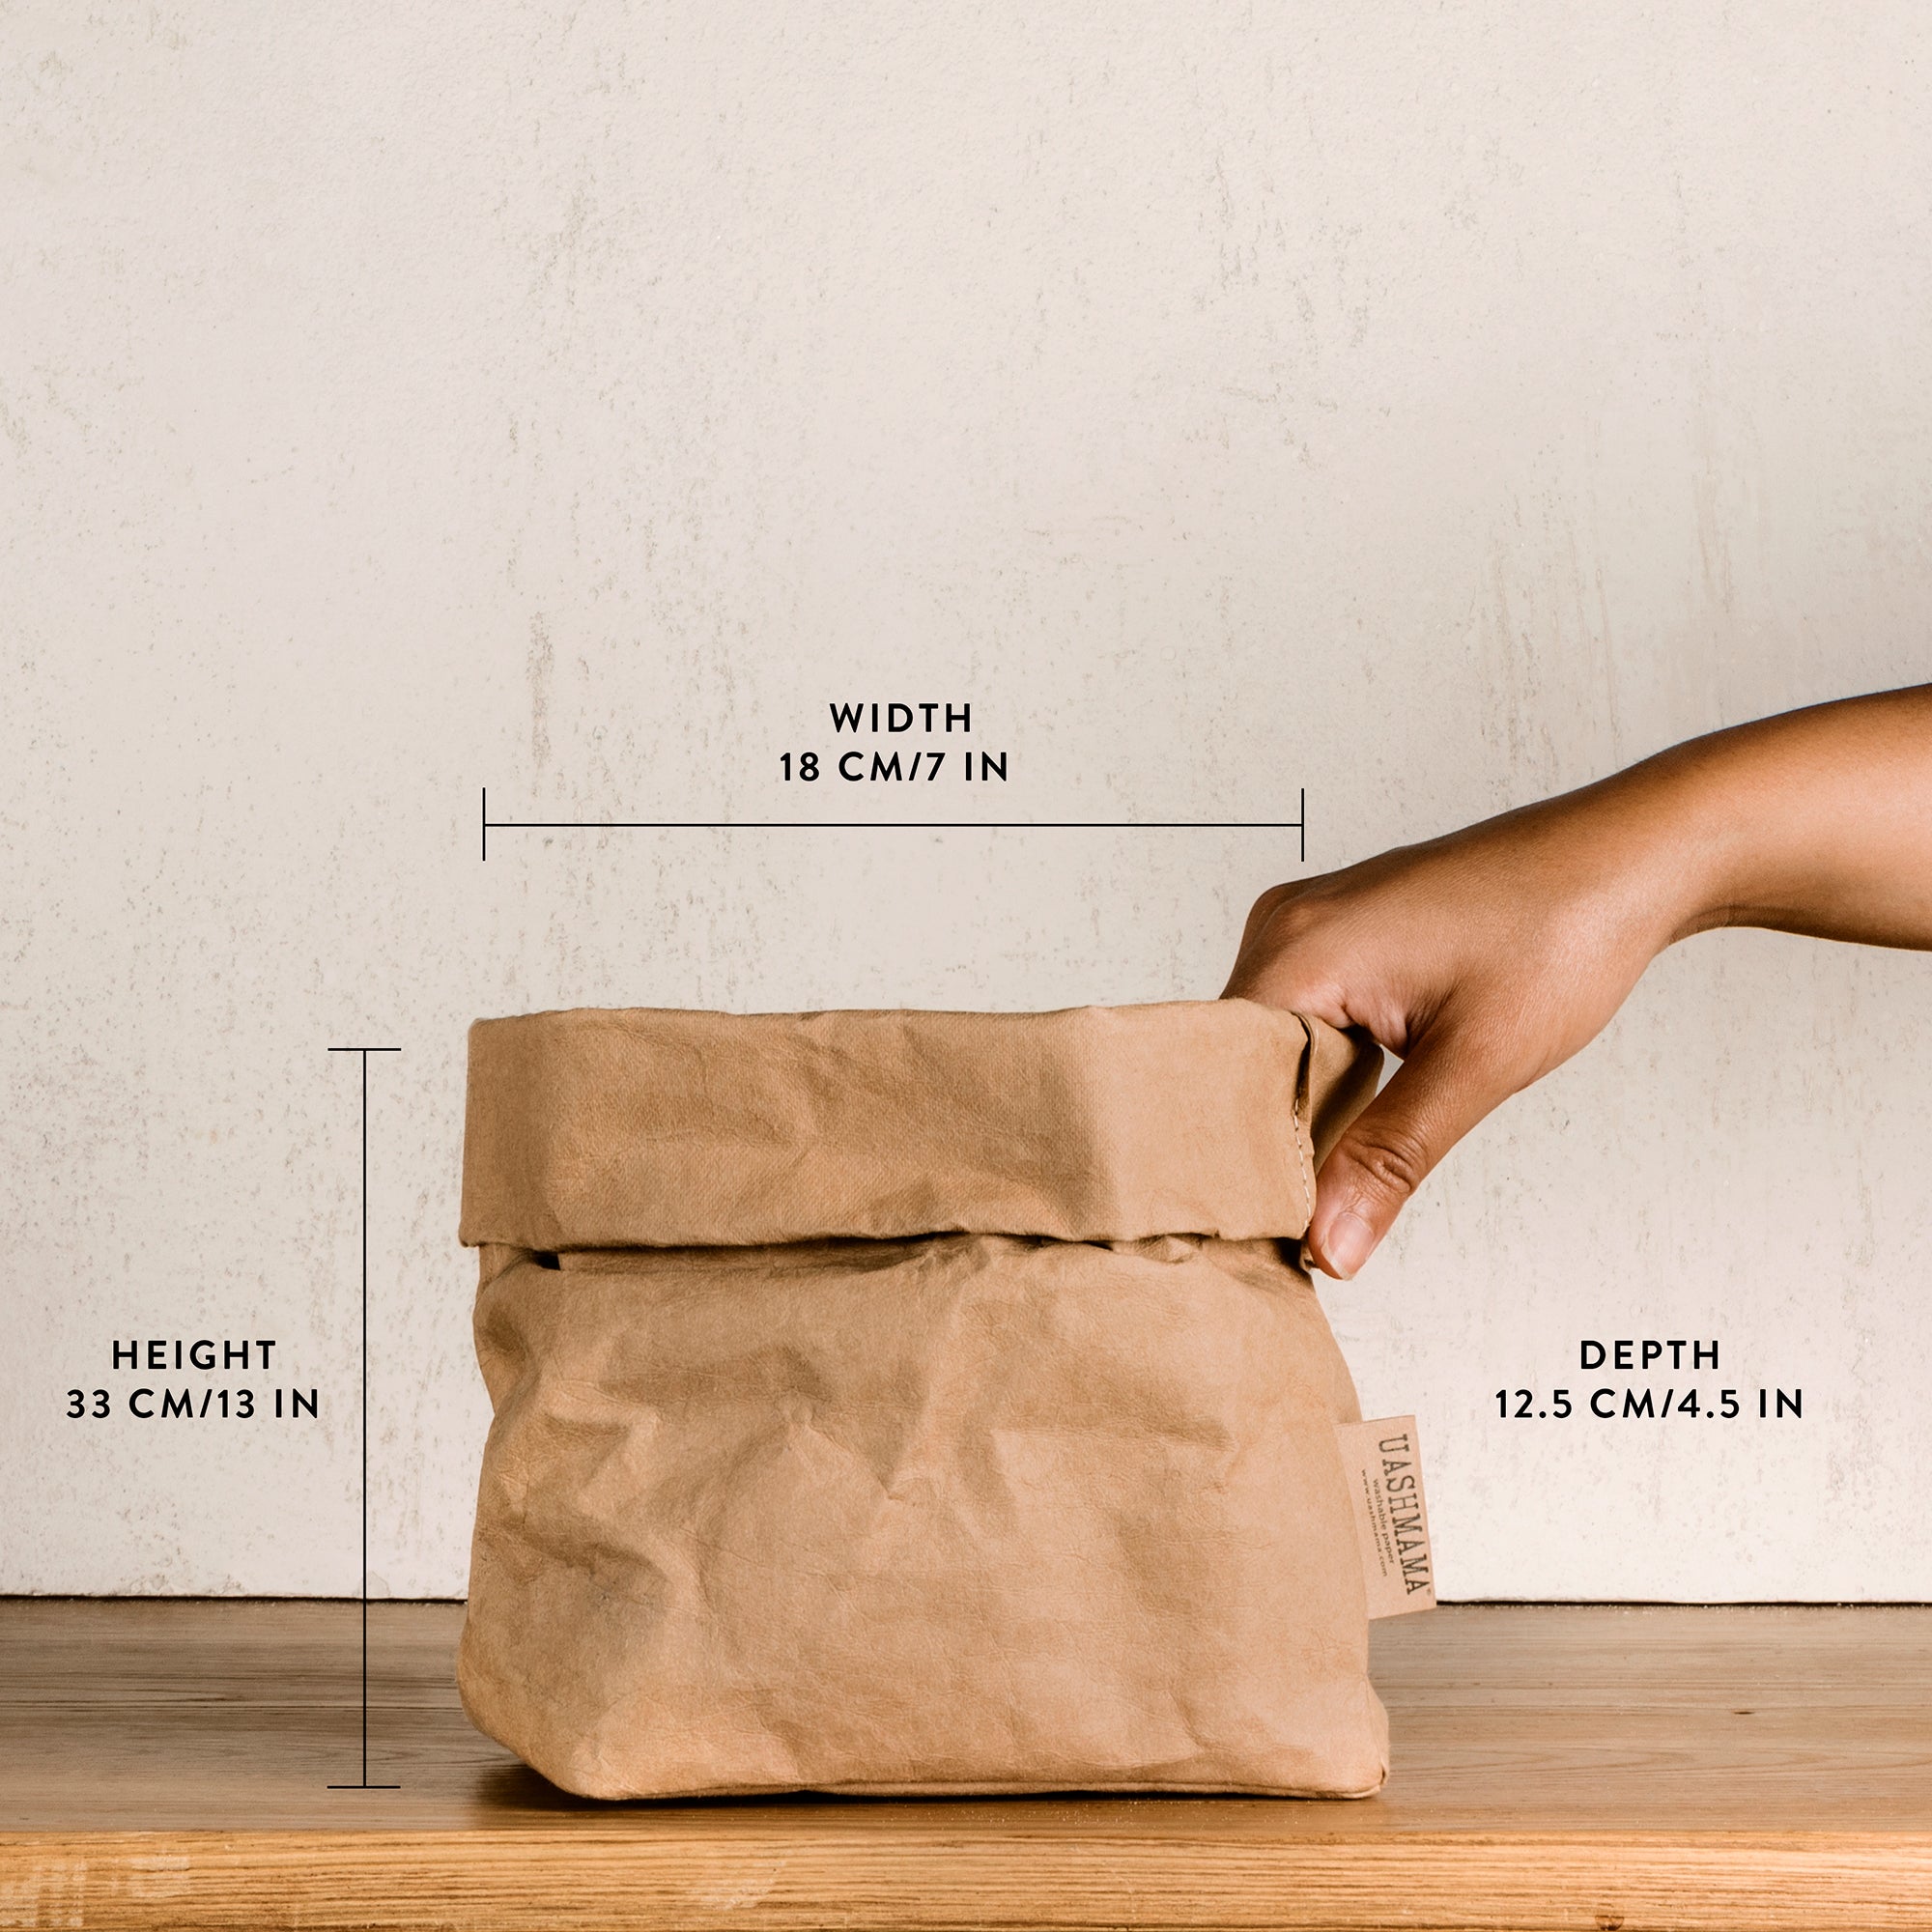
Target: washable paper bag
913,1402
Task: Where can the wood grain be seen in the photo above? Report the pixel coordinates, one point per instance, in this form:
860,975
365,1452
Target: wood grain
166,1764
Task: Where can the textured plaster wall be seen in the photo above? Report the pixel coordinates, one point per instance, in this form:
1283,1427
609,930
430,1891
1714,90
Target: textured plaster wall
1429,407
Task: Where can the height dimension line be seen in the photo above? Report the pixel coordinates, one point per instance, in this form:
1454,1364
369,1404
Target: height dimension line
1295,825
364,1784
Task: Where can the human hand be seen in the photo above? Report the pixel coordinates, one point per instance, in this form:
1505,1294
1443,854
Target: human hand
1488,958
1483,959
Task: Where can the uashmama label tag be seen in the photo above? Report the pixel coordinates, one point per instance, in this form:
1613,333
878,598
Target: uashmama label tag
1391,1520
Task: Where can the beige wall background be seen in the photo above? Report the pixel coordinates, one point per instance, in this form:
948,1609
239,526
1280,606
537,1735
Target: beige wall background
1429,407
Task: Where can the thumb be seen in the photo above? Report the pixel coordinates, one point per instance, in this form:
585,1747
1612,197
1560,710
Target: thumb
1438,1094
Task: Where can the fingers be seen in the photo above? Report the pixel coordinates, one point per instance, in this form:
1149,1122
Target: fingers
1292,944
1242,980
1435,1097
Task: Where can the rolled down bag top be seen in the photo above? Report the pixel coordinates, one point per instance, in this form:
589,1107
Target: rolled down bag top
913,1402
670,1128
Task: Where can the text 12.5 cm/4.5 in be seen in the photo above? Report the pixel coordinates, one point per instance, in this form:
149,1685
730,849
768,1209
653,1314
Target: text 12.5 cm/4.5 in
1649,1405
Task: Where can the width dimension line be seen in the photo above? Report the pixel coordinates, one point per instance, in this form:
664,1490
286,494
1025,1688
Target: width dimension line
364,1784
1295,825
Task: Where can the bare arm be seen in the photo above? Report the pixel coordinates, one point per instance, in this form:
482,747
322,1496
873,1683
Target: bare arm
1488,956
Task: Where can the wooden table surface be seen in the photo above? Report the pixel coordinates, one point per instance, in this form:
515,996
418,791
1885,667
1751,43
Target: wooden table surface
169,1764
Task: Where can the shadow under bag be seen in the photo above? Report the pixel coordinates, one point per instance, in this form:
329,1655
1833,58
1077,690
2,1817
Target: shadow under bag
913,1402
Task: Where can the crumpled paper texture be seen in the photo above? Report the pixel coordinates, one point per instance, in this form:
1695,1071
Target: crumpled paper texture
807,1472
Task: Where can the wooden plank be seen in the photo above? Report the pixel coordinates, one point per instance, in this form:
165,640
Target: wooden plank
786,1880
166,1764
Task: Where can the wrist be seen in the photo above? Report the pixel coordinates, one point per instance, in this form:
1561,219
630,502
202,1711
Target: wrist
1666,850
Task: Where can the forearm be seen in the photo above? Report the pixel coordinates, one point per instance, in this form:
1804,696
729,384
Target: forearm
1818,821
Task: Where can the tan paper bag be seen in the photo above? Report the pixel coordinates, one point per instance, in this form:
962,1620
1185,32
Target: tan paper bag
913,1402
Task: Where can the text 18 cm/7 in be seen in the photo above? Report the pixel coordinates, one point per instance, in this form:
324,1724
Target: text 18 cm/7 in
886,767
